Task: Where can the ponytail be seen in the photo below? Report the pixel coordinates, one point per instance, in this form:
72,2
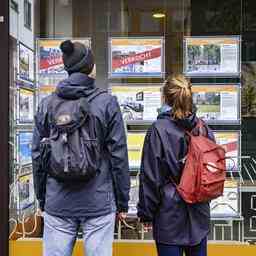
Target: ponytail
177,94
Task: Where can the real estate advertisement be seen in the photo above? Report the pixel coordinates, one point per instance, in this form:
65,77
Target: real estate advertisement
217,103
135,141
140,102
26,64
136,57
25,106
134,196
226,205
50,55
25,192
47,85
229,140
212,56
24,140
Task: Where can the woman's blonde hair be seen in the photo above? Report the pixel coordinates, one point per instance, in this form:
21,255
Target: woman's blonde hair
177,94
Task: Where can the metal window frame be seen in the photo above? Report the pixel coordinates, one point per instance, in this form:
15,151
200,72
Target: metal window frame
4,126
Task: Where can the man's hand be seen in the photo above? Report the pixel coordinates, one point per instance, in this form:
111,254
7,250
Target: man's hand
122,215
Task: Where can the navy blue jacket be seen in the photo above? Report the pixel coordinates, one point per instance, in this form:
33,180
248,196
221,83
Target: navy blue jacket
104,193
174,221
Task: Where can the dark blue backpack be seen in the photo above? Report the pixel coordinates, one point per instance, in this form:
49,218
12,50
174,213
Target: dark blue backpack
72,152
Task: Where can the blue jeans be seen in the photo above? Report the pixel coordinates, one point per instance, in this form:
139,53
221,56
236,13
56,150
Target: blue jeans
176,250
60,235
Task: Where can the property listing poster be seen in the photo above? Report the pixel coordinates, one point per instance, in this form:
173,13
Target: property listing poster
134,196
24,140
25,106
26,64
50,55
212,56
135,141
140,102
226,205
230,141
47,85
217,103
26,196
133,57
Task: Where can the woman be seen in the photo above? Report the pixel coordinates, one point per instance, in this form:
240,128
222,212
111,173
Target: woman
177,226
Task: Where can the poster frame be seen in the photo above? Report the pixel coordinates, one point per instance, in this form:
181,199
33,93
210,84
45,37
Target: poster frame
30,81
238,205
133,168
238,132
18,133
225,122
24,206
146,85
212,74
18,120
38,39
111,75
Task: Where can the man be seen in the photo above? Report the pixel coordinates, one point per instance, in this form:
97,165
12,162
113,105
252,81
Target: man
91,205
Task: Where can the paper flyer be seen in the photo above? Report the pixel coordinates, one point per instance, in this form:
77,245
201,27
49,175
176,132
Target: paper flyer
136,57
50,55
230,141
138,102
25,192
135,141
212,56
25,106
217,103
226,205
24,147
26,64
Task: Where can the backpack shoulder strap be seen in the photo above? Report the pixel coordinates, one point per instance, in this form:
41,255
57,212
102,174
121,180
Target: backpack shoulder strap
202,129
96,93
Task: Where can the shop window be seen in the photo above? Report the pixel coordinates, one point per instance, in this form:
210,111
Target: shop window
27,14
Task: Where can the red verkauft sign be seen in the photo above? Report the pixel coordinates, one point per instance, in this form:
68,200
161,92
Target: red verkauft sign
50,62
147,55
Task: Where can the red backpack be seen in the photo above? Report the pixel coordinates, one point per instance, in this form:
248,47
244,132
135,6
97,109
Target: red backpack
204,173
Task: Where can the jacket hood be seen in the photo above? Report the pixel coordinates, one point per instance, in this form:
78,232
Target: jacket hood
187,123
77,85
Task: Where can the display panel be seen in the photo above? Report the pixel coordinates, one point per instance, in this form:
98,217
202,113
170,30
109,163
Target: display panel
50,55
135,142
136,57
47,85
134,197
231,143
25,106
24,140
217,103
212,56
138,102
25,192
226,205
26,64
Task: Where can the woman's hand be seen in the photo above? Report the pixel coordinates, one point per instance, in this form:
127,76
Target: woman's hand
122,215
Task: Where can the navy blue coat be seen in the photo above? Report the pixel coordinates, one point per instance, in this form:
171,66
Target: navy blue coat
174,221
110,189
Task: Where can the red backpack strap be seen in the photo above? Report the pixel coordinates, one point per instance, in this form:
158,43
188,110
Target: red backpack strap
202,129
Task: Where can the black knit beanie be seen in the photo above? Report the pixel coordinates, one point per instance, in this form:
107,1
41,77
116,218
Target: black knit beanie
77,57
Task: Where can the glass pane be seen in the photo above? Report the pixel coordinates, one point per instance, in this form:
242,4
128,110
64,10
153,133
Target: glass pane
136,45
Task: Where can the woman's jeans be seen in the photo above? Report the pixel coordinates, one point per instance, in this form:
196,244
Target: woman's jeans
60,235
176,250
